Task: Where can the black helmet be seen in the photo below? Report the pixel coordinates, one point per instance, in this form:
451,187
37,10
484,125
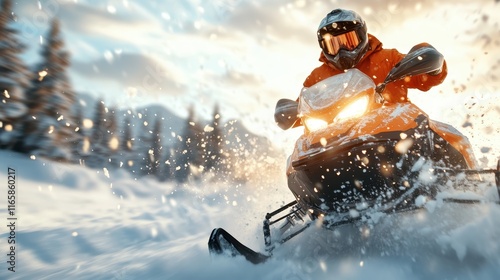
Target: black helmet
343,37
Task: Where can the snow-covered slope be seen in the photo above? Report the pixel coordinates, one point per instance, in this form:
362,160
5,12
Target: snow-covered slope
79,223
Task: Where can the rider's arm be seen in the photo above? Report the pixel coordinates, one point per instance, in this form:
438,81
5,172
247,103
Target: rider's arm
424,82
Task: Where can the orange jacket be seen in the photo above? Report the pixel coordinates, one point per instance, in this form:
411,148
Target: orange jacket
377,63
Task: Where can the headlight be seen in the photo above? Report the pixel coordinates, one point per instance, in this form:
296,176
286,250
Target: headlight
313,124
353,110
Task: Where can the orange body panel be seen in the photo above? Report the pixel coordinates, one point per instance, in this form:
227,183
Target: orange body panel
457,140
393,117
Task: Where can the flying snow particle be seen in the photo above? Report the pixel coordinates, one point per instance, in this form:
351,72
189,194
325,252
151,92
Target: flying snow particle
197,25
111,9
154,232
323,141
108,56
165,16
106,172
74,234
86,145
42,75
8,127
353,213
403,146
367,11
323,266
173,202
208,128
300,3
484,150
114,143
6,94
420,201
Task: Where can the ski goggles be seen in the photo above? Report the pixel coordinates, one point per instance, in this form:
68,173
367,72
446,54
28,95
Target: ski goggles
332,44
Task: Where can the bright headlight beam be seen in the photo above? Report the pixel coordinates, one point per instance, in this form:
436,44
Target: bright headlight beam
315,124
353,110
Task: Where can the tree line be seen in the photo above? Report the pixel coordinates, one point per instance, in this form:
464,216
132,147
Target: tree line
40,116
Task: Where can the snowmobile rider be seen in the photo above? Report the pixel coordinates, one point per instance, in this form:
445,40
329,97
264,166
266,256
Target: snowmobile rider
345,44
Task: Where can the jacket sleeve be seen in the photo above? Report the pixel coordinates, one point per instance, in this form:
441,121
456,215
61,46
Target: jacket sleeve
424,82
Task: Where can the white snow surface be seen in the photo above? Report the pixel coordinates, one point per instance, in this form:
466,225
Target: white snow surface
80,223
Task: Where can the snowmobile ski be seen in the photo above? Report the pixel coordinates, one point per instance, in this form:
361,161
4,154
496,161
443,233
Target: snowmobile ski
221,242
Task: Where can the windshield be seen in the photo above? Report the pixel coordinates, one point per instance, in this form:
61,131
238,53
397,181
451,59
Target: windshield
330,95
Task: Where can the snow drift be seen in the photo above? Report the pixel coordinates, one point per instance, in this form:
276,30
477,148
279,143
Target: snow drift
80,223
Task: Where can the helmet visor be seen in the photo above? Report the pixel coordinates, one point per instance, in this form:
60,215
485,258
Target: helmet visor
332,44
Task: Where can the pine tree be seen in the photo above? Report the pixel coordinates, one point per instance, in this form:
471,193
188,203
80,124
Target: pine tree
99,139
98,127
111,139
188,150
13,81
126,144
214,155
153,151
165,171
50,130
126,141
79,142
156,148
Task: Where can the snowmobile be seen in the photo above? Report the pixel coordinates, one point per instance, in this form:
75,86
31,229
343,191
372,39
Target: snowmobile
361,155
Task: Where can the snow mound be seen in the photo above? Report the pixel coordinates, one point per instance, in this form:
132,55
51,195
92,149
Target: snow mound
79,223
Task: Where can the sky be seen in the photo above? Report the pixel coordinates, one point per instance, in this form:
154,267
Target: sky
245,55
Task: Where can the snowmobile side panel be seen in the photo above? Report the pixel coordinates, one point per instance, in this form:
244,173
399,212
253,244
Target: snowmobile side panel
456,139
372,172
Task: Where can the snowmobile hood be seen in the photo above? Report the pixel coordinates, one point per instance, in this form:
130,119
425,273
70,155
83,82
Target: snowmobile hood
391,121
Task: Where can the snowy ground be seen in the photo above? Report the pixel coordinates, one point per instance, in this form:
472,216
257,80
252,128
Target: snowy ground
77,223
